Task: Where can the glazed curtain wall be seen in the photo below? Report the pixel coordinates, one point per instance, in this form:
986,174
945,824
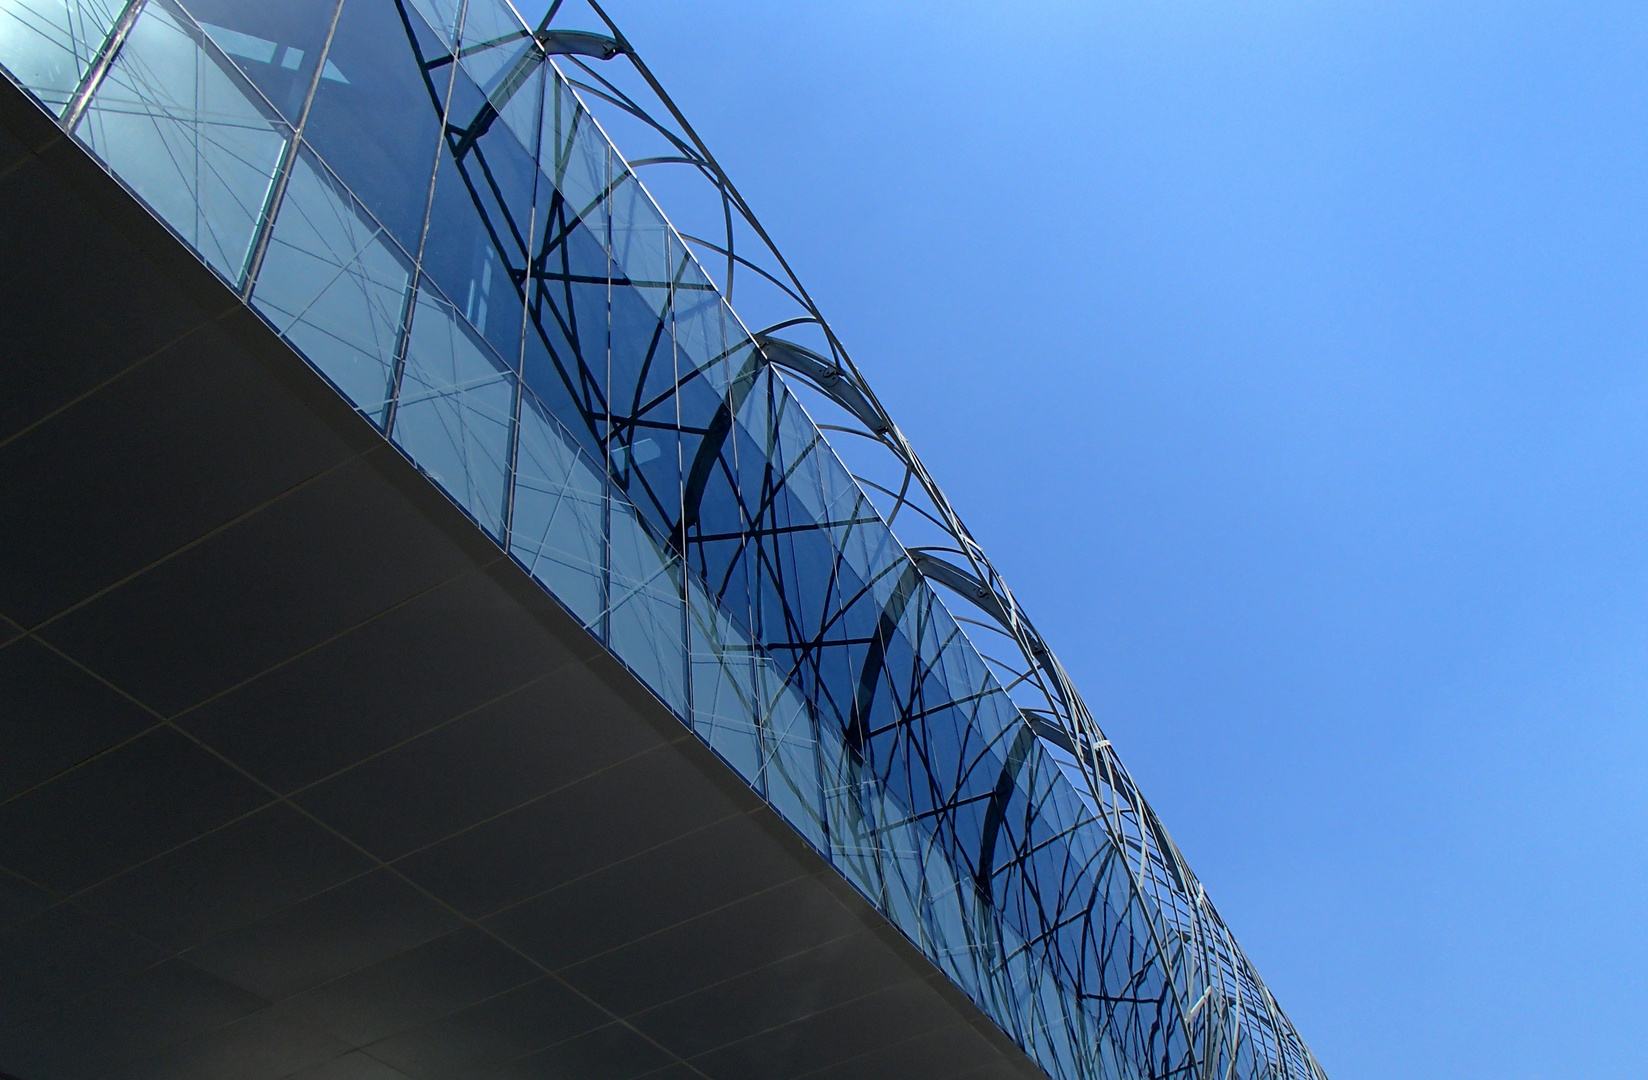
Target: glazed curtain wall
410,194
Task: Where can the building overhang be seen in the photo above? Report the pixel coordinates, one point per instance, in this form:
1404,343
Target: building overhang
301,774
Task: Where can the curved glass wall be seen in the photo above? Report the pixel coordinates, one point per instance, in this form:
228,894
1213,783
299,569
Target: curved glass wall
411,195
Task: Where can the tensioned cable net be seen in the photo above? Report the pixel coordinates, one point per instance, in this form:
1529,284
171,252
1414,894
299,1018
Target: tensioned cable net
426,199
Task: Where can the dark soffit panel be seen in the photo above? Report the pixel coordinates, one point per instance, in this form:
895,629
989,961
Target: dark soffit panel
307,778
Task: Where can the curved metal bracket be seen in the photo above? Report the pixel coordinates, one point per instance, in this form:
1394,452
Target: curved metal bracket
577,43
828,377
953,577
969,585
1051,732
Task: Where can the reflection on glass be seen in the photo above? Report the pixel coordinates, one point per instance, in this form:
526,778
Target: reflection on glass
791,764
462,258
645,433
480,219
556,530
48,45
511,73
574,158
334,285
566,348
379,126
442,16
724,703
276,45
645,619
493,43
453,413
180,126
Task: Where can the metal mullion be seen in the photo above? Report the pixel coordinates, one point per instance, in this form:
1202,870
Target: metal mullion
681,499
520,363
283,175
812,651
763,724
403,335
89,82
606,435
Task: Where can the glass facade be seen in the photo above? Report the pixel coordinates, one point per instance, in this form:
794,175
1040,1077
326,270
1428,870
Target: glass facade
411,194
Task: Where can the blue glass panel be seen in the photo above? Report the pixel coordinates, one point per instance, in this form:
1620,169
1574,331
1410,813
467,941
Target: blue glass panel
378,123
573,154
493,42
453,413
182,127
47,45
644,439
791,772
705,330
904,843
498,161
557,529
442,17
724,709
480,221
512,76
461,256
646,623
566,348
804,602
276,45
556,366
715,523
641,240
334,284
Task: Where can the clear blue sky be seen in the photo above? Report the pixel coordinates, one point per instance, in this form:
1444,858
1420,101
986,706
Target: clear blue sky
1289,359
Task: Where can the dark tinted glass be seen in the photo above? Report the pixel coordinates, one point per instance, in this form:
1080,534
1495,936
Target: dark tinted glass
378,123
481,219
276,45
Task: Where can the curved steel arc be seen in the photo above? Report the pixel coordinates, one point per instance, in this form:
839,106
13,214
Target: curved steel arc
1184,928
1105,779
841,386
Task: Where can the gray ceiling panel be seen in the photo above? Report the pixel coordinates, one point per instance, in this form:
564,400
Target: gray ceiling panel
117,456
231,877
119,809
57,715
493,758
